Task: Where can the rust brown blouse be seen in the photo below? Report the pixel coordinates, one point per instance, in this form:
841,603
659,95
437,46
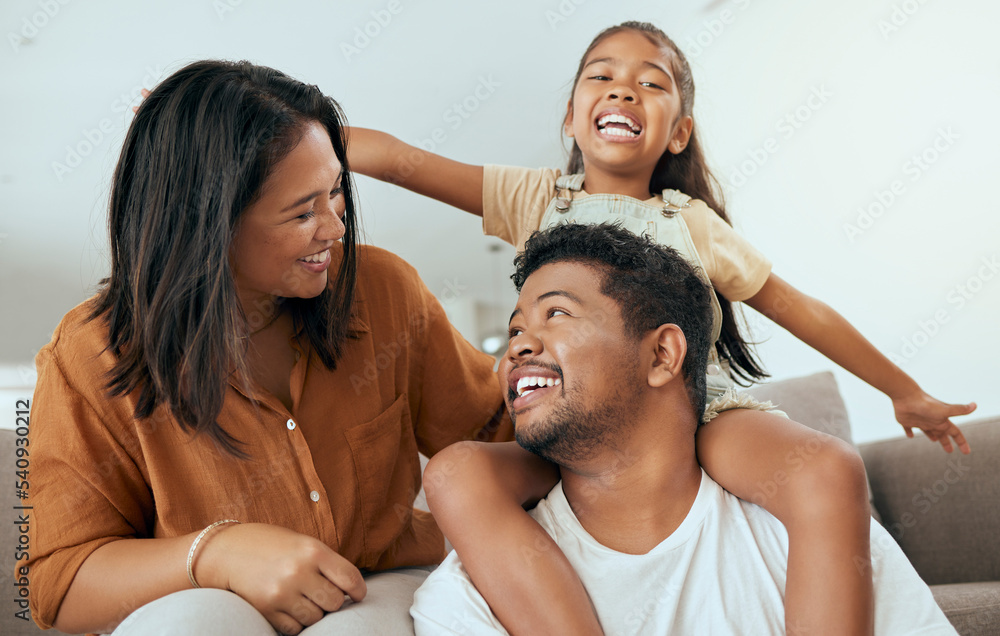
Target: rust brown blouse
341,466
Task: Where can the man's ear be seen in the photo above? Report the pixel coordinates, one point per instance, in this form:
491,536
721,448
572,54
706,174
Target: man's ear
568,121
682,135
670,347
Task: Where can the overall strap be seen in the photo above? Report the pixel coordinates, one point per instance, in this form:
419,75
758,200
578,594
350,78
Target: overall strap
573,182
674,201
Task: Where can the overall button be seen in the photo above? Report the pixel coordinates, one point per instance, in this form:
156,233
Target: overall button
290,424
314,496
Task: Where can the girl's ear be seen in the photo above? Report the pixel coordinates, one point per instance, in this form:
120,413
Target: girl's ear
681,136
568,122
669,348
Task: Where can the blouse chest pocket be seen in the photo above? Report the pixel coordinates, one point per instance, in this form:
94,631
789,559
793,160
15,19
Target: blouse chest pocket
386,467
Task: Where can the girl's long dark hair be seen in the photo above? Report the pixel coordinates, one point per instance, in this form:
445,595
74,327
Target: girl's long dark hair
689,173
197,154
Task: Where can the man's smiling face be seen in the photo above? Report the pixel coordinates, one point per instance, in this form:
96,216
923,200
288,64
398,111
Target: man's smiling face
570,372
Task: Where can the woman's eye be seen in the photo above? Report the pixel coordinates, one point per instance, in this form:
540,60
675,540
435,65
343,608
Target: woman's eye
555,312
308,215
336,191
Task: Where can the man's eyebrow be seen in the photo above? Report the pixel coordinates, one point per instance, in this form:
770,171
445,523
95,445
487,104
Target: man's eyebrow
550,294
311,195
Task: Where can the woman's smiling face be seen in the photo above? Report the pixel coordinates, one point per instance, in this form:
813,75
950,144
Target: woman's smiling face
283,239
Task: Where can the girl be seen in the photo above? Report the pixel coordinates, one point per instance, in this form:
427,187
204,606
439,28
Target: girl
636,160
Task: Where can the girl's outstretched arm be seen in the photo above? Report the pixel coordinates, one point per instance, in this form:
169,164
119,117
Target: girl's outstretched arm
815,485
822,328
381,156
476,492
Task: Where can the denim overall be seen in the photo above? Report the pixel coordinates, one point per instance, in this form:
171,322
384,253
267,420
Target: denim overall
662,224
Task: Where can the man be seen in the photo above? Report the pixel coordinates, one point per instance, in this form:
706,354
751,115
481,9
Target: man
605,372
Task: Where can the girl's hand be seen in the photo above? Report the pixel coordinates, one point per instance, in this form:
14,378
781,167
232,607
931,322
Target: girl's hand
145,94
919,410
290,578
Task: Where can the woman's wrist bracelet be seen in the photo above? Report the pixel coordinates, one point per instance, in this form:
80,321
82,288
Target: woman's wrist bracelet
194,547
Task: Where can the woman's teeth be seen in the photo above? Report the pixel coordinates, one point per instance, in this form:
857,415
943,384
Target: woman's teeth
316,258
535,383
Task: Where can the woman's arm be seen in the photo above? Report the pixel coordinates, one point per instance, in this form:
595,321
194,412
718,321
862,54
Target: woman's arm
290,578
381,156
825,330
476,492
815,485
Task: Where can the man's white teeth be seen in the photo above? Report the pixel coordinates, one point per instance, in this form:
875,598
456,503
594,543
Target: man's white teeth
317,258
619,119
524,383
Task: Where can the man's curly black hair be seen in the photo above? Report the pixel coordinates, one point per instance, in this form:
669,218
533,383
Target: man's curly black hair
651,283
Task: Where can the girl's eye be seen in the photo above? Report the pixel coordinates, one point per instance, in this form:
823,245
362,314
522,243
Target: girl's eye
336,191
651,85
602,78
308,215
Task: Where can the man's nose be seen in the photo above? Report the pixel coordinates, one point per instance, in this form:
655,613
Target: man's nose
524,344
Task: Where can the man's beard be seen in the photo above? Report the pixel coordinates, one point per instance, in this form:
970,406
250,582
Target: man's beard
572,435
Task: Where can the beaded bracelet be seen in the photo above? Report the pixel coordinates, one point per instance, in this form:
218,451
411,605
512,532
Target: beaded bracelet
194,546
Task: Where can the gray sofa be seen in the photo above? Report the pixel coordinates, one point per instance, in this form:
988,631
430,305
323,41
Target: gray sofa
943,510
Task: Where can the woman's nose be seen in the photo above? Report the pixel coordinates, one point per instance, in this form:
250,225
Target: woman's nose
331,227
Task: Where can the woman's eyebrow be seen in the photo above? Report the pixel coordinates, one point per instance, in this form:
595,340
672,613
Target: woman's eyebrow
311,195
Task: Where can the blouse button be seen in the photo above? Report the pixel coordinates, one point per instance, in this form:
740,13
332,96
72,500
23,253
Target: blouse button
713,369
290,424
314,496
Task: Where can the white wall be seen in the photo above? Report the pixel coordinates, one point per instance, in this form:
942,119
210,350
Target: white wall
881,94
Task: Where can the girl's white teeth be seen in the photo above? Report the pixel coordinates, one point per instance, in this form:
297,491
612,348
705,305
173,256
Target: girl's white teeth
619,119
536,383
618,132
316,258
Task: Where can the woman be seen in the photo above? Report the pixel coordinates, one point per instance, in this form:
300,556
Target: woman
241,405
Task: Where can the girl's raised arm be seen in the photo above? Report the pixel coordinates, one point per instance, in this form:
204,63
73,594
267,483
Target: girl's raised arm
821,327
381,156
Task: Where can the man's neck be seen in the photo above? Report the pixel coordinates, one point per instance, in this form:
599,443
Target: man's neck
638,496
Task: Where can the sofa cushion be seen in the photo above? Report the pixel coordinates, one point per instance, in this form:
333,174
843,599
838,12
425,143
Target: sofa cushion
973,608
942,508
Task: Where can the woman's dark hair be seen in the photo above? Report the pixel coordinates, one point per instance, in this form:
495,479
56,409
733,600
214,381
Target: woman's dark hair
689,173
651,283
196,156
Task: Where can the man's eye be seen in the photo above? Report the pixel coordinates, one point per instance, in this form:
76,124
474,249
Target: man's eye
513,333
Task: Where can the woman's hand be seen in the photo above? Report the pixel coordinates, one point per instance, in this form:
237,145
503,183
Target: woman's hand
919,410
290,578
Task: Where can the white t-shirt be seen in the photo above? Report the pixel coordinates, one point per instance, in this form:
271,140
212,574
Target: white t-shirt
721,572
